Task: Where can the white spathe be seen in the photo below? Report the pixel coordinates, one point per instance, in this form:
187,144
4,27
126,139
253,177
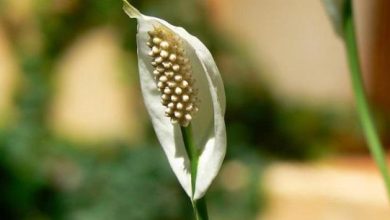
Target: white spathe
208,126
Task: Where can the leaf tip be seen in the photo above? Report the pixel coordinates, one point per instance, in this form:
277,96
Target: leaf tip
130,10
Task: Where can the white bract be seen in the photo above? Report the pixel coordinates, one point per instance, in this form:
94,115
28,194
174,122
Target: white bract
181,85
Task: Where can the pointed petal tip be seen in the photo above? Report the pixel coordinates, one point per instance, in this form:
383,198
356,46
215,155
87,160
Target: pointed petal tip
130,10
336,12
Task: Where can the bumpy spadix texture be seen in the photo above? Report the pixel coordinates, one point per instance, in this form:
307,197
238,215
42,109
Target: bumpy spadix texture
173,75
180,83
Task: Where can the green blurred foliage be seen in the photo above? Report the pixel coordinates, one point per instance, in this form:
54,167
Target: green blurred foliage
44,177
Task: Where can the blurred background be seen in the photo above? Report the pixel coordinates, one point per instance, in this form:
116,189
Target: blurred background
76,142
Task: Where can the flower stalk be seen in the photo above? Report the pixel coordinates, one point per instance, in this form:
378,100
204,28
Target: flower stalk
199,206
363,108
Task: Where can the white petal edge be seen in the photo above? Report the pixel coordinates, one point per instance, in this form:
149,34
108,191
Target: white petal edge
211,158
170,137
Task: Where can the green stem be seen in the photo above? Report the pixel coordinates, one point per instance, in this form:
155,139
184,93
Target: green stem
200,209
199,206
363,109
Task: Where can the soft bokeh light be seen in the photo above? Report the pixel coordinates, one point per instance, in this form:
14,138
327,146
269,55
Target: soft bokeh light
76,143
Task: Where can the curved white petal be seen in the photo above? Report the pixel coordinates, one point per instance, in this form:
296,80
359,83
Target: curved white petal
211,158
208,124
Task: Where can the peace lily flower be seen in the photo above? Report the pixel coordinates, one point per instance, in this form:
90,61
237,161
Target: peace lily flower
181,86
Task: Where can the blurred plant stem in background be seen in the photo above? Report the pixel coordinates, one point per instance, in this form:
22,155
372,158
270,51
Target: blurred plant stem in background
363,108
43,176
